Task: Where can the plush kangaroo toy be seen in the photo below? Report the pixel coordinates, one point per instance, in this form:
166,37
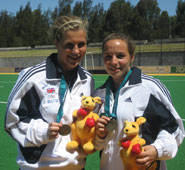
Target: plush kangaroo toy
83,127
133,145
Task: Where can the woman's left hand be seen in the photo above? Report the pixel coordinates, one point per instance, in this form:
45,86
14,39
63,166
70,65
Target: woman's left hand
147,157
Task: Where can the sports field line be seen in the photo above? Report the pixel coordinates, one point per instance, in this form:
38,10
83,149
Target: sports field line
171,80
166,74
152,74
9,73
1,102
7,81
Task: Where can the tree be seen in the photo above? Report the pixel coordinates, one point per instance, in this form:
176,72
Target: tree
147,14
40,27
173,23
87,5
164,29
6,29
77,9
118,17
24,26
65,7
180,11
95,23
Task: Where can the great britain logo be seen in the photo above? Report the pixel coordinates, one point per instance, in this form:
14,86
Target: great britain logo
50,90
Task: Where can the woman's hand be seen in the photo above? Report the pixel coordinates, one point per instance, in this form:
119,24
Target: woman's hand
100,126
147,157
53,130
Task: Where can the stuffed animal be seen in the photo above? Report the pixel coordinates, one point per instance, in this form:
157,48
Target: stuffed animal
83,126
132,145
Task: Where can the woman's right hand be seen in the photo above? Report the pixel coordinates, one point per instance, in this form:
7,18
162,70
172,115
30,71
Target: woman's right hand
53,130
100,126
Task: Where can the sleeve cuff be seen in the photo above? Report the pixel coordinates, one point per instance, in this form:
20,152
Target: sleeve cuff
99,143
158,148
42,132
37,132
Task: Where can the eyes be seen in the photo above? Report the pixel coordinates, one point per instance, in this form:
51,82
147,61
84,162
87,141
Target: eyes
109,56
134,126
71,46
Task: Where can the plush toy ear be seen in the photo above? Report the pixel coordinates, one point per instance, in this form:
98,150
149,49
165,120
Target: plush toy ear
83,97
125,123
140,120
97,100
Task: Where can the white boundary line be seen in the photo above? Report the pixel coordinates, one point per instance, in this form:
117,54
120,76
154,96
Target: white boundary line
7,82
3,102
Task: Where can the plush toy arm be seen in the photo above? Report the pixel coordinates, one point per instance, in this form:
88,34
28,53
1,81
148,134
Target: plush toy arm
75,114
136,149
142,141
125,144
92,131
95,116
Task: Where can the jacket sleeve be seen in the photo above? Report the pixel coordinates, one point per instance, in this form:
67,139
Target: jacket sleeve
164,128
99,143
166,145
23,120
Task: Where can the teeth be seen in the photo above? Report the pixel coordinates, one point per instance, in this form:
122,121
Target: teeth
74,58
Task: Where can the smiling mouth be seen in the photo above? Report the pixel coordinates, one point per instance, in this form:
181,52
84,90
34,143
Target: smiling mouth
114,69
74,58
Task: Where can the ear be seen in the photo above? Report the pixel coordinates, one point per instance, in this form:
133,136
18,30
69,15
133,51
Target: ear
132,58
56,43
140,120
97,100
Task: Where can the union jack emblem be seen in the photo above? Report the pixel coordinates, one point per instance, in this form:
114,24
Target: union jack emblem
50,90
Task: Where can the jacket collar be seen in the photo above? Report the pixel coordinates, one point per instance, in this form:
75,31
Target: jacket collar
53,70
135,77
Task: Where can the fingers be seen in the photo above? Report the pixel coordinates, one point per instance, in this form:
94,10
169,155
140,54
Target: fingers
146,158
101,122
53,130
143,163
100,126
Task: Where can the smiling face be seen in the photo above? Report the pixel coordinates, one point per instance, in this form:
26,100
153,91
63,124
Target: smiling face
71,49
117,59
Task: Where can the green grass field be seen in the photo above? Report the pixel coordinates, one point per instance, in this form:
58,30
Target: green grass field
8,148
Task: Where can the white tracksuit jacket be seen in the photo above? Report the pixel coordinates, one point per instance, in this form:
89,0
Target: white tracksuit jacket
144,96
33,104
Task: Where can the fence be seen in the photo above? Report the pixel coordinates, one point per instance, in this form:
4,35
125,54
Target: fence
157,53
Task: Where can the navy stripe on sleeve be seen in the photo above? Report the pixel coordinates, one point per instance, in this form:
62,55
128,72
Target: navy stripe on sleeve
159,84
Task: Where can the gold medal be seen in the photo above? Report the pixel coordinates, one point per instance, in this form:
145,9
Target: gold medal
65,130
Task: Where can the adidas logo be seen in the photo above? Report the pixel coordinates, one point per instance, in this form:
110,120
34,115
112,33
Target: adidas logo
128,100
81,94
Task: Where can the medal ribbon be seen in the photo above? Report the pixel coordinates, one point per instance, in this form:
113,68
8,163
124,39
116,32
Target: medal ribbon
107,100
63,87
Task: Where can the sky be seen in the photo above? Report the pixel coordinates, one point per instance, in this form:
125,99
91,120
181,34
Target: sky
13,6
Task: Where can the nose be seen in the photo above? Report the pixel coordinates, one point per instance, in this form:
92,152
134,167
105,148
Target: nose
114,60
76,50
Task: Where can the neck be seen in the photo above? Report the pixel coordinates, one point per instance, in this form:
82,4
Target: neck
116,84
118,81
67,75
